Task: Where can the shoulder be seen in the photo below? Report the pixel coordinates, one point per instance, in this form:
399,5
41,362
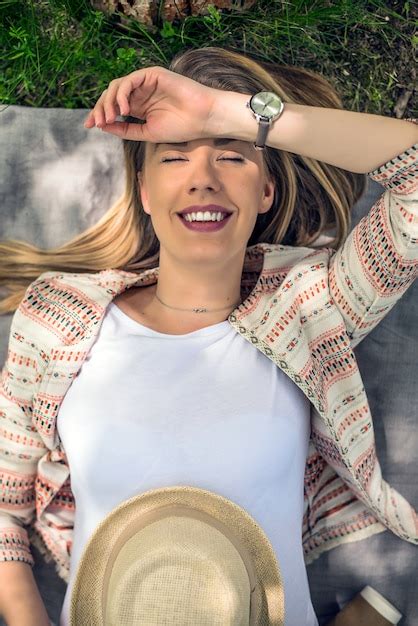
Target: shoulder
58,306
51,286
72,281
285,259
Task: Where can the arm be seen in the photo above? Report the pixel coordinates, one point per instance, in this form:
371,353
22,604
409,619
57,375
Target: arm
20,600
379,259
20,449
357,142
177,109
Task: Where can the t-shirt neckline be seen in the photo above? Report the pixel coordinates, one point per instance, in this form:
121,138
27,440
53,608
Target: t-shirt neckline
135,325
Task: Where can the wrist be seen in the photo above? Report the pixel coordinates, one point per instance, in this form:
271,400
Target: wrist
231,118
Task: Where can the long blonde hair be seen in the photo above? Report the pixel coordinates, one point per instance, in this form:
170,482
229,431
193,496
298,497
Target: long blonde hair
311,196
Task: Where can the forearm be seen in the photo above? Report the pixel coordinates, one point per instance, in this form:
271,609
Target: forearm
357,142
20,601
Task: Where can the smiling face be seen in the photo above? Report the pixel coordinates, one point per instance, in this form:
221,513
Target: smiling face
226,172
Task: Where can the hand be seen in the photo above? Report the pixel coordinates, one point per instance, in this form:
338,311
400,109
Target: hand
175,108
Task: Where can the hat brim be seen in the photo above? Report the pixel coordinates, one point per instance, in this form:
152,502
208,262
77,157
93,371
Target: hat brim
87,603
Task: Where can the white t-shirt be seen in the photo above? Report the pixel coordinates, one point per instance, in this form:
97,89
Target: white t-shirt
205,409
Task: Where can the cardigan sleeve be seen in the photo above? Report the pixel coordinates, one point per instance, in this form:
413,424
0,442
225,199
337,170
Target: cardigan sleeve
378,261
20,444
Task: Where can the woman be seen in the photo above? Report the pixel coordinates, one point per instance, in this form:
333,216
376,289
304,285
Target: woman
148,310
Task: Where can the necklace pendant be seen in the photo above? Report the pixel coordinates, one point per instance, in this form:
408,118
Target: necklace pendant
199,310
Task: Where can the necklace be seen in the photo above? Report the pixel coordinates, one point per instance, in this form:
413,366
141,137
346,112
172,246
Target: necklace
196,310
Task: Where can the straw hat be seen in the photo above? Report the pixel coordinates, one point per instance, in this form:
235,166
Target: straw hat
178,556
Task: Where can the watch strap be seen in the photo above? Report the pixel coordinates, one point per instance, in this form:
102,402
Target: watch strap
263,129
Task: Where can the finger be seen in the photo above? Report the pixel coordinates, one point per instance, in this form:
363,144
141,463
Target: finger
96,115
122,99
110,106
119,90
126,130
89,121
125,89
136,81
104,108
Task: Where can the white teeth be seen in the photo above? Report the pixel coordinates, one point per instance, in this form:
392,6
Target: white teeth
207,216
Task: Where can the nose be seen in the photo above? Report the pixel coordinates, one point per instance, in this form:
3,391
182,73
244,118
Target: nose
204,176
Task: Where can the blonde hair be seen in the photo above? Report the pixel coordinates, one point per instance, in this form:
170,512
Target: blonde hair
311,196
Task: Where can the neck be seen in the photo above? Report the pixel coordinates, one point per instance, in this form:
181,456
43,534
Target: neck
181,288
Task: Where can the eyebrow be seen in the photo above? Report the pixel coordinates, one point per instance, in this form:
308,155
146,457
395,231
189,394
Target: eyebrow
222,141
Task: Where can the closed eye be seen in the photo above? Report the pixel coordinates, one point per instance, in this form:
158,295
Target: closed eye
222,159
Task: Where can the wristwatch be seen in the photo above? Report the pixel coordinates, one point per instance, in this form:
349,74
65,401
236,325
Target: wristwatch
266,106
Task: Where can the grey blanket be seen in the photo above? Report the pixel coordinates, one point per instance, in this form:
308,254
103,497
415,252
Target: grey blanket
57,178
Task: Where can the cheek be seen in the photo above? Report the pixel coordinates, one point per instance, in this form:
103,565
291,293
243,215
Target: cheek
248,186
153,192
163,184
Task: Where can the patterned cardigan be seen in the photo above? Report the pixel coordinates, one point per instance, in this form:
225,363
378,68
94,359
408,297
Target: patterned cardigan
305,309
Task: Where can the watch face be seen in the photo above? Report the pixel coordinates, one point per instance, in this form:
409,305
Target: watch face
266,103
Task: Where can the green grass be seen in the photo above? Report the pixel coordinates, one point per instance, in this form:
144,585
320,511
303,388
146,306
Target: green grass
62,53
